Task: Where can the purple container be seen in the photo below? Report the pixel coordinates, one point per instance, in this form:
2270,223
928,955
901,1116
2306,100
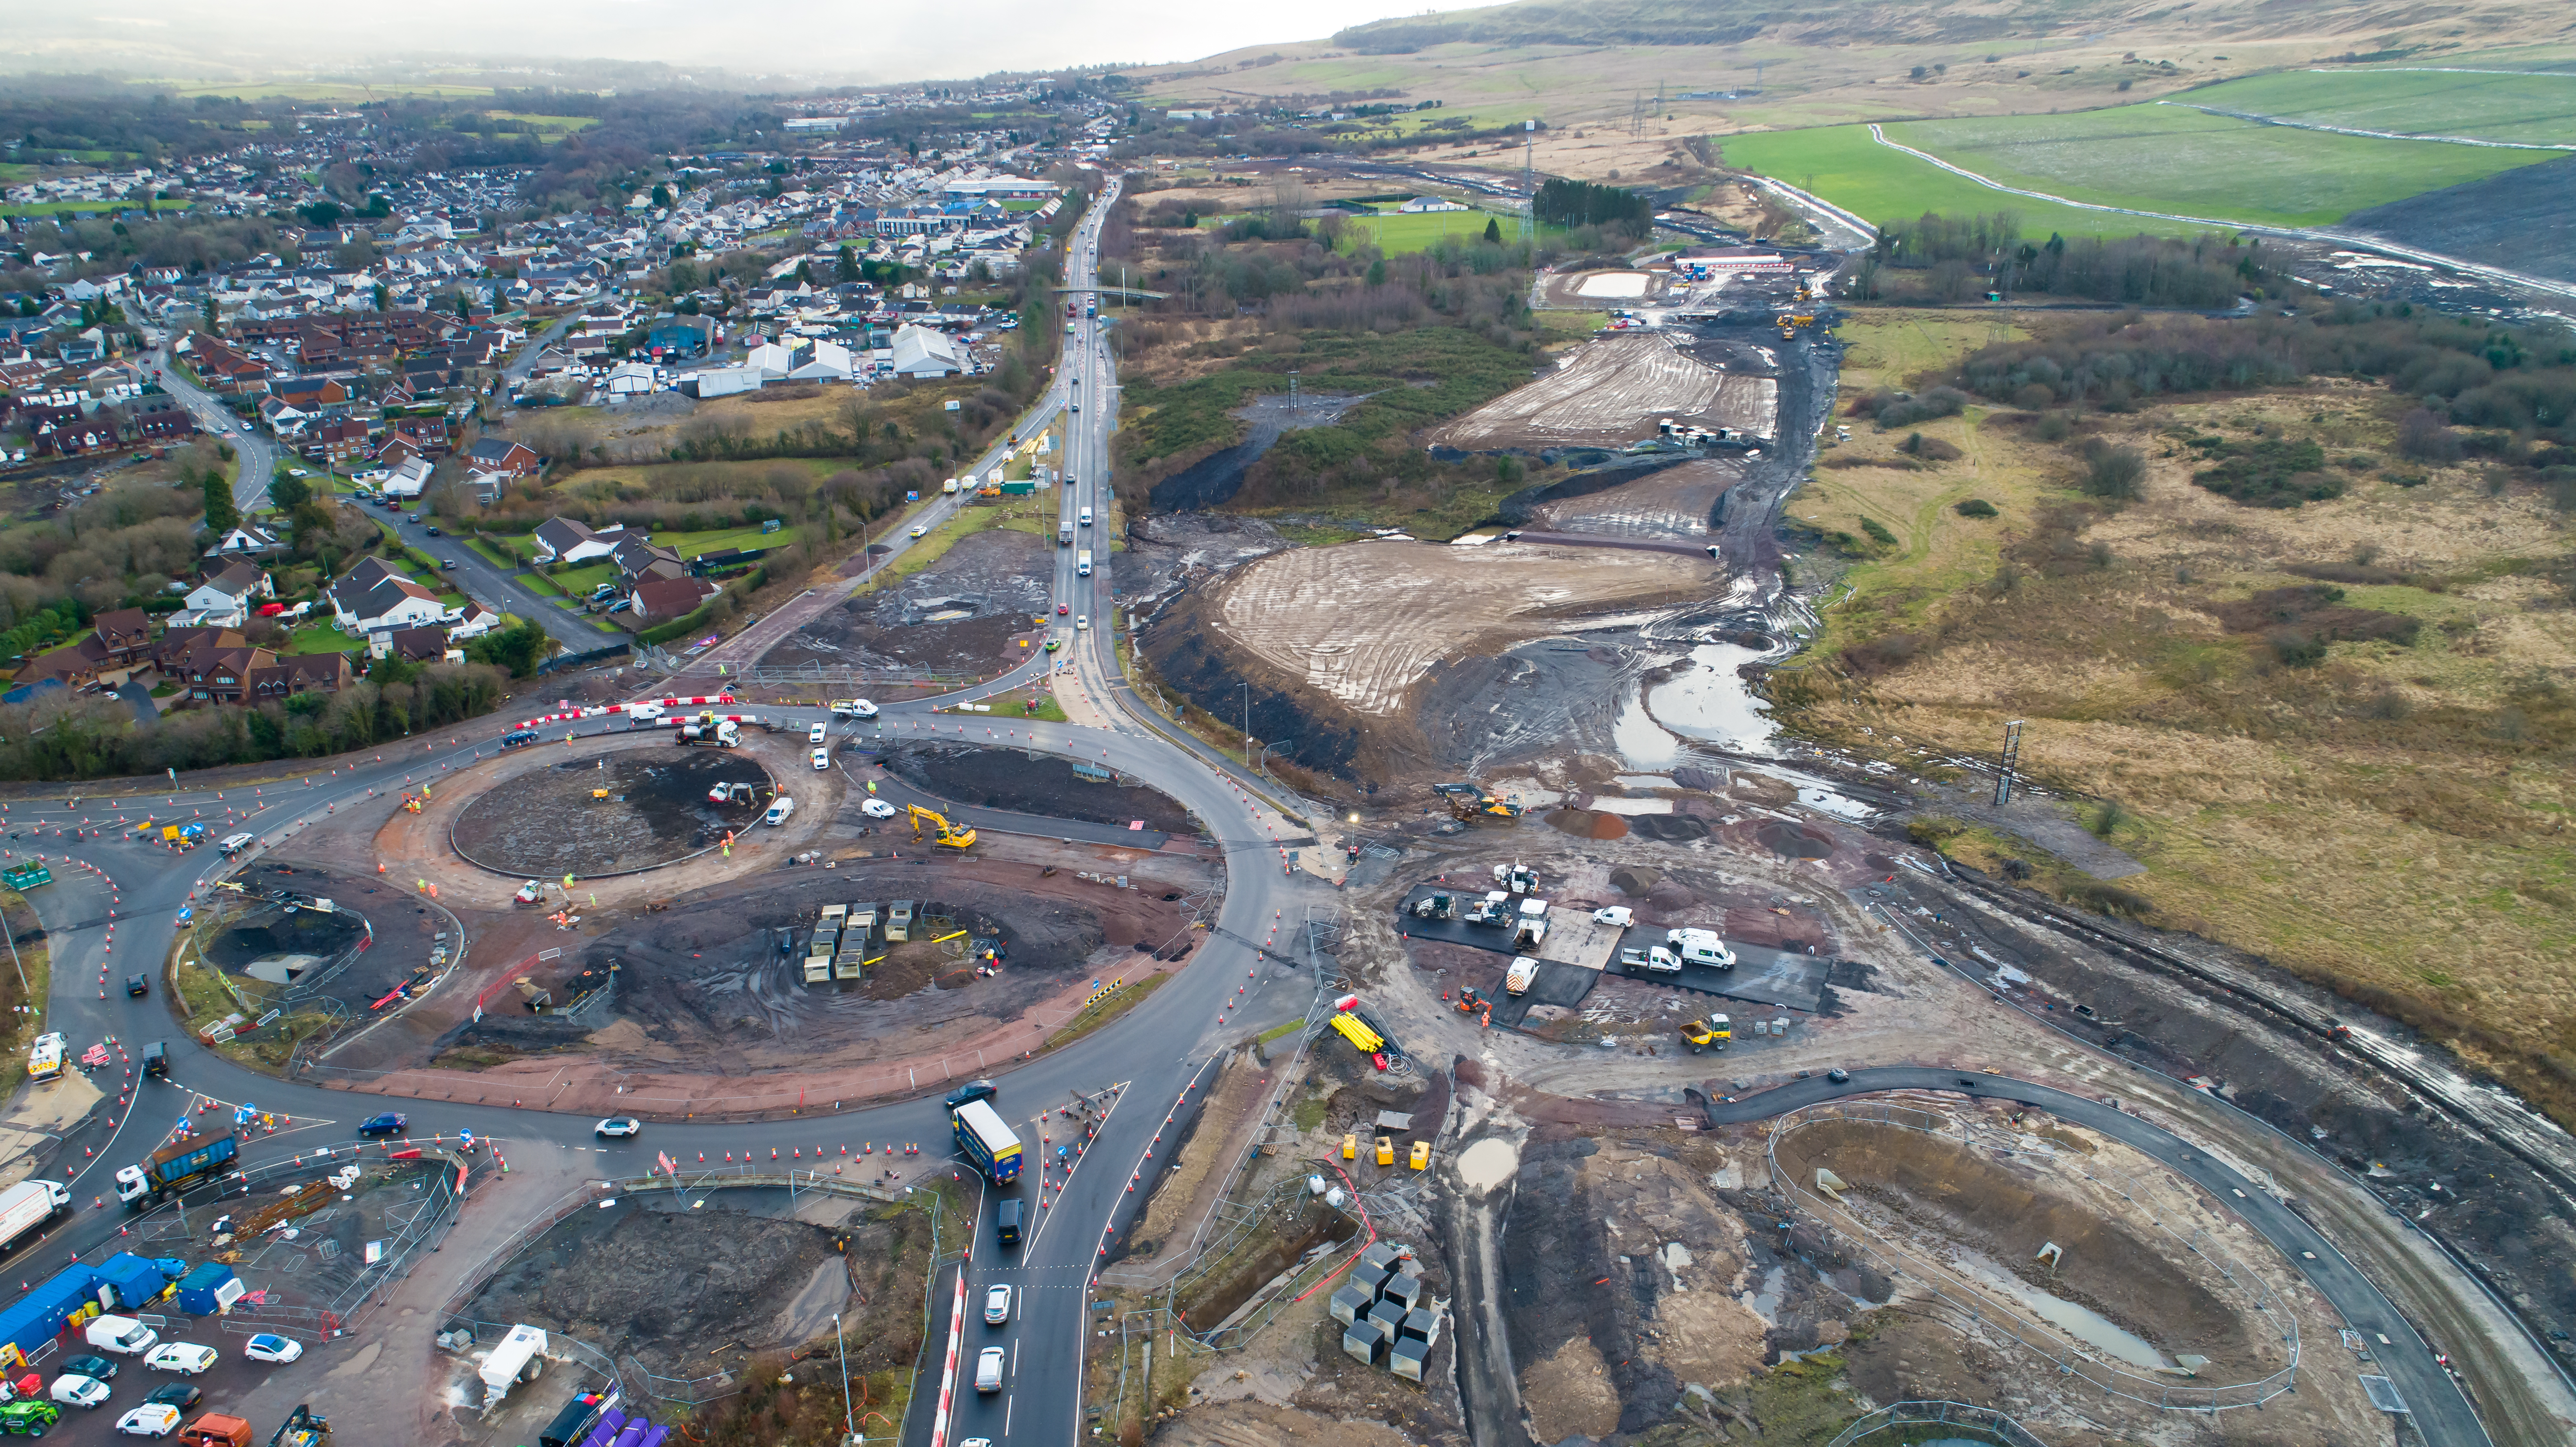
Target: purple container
605,1431
654,1438
634,1433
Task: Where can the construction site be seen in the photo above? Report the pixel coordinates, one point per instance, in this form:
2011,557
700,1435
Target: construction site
613,813
956,617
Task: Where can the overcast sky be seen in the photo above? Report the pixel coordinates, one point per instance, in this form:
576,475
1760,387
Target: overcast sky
875,42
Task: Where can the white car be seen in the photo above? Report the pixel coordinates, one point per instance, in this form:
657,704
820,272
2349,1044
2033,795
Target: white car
74,1390
152,1419
185,1358
267,1348
644,710
878,809
819,733
1081,622
618,1125
997,1306
1619,915
822,757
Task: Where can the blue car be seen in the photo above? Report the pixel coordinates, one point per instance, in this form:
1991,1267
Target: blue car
385,1124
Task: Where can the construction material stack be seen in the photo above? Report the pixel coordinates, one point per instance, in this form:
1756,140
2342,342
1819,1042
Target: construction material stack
827,941
857,934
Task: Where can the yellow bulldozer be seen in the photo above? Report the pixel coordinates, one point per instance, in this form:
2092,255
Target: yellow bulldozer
948,834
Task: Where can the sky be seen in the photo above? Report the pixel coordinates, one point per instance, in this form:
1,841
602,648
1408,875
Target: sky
865,42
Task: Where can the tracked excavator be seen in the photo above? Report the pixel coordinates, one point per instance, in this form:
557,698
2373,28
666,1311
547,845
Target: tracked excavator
948,834
1469,803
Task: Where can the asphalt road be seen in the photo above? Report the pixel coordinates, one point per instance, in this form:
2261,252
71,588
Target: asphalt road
259,454
2441,1413
488,583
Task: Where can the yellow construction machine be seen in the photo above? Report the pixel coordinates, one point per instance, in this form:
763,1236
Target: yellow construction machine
949,834
1699,1035
1470,802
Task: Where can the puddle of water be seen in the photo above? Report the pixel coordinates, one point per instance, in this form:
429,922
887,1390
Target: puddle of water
2089,1327
1632,807
1642,742
1643,781
1709,701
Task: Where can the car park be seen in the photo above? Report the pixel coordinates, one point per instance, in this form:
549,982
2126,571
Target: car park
970,1092
267,1347
389,1123
878,809
74,1390
185,1358
997,1306
152,1419
618,1126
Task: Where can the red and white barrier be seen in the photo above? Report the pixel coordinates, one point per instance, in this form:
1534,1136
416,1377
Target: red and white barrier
948,1375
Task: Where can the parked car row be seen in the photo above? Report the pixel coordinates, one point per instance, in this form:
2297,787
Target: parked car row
84,1382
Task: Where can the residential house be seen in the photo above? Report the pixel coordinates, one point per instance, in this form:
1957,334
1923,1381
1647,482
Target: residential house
337,443
570,540
249,540
373,596
125,633
406,478
224,371
286,675
495,462
477,621
641,561
310,395
225,600
412,645
218,673
659,600
74,665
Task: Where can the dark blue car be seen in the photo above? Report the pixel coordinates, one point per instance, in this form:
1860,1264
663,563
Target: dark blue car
385,1124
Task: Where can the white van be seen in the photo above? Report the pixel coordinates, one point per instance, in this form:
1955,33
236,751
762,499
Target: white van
1085,517
235,843
122,1335
780,812
950,486
1700,947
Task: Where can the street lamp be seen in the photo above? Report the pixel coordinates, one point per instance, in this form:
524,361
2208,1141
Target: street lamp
849,1420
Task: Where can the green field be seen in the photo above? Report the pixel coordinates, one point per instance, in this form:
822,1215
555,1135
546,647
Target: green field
100,208
1843,165
2533,109
321,90
545,125
2171,158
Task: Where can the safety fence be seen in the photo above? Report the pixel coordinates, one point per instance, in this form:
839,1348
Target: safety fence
1959,1416
1972,1312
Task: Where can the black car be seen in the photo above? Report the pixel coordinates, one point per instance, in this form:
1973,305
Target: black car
971,1091
518,738
98,1367
388,1123
433,532
138,984
1837,1075
177,1394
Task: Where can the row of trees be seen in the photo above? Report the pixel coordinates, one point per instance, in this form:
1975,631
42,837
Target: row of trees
1953,259
66,738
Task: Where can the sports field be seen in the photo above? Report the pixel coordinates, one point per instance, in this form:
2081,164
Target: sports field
1877,183
2531,109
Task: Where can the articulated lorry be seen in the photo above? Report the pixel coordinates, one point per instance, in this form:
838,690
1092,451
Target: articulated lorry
180,1164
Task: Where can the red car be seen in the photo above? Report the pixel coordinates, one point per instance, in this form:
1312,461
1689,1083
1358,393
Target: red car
1063,608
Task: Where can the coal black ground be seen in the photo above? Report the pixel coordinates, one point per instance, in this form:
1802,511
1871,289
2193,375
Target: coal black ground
955,617
1500,706
405,929
2516,1231
2523,219
1031,783
548,822
693,1292
1213,481
707,979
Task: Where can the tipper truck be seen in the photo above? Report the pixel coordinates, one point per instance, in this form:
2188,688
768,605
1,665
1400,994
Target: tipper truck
178,1164
27,1206
724,734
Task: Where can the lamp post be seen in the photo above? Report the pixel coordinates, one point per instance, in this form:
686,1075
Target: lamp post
849,1420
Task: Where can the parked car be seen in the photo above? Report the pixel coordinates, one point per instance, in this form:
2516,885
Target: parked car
447,565
819,733
433,532
152,1419
621,605
74,1390
878,809
268,1348
185,1358
389,1123
90,1366
971,1091
181,1395
997,1306
618,1127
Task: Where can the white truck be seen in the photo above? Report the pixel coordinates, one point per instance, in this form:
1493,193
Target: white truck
1523,973
1530,930
1700,947
1654,959
724,734
45,1060
28,1205
1082,563
779,812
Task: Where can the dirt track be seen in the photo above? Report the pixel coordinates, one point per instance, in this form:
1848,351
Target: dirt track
1614,390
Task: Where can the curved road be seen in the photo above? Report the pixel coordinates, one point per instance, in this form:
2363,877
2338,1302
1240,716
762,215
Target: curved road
1153,1052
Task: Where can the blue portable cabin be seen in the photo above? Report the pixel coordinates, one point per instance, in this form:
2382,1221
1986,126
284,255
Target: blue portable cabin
137,1283
209,1289
40,1315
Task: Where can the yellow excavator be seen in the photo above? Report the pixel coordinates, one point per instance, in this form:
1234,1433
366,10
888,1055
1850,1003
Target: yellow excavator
1471,802
949,834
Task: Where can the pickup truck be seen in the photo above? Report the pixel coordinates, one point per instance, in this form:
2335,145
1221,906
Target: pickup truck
1654,959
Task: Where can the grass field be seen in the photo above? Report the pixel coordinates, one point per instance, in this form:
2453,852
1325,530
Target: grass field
323,90
1843,165
100,208
2531,109
1396,235
2172,158
546,125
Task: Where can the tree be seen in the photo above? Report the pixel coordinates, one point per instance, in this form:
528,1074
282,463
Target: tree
221,515
287,493
1494,230
384,298
662,197
519,648
847,267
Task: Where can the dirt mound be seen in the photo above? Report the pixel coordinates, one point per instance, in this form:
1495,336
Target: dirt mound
1634,879
550,821
670,1287
1670,828
1029,782
1949,1194
1585,824
1790,841
957,616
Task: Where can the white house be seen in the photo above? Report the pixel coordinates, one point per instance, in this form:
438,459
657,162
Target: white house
407,478
570,540
372,597
629,379
224,600
1420,204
